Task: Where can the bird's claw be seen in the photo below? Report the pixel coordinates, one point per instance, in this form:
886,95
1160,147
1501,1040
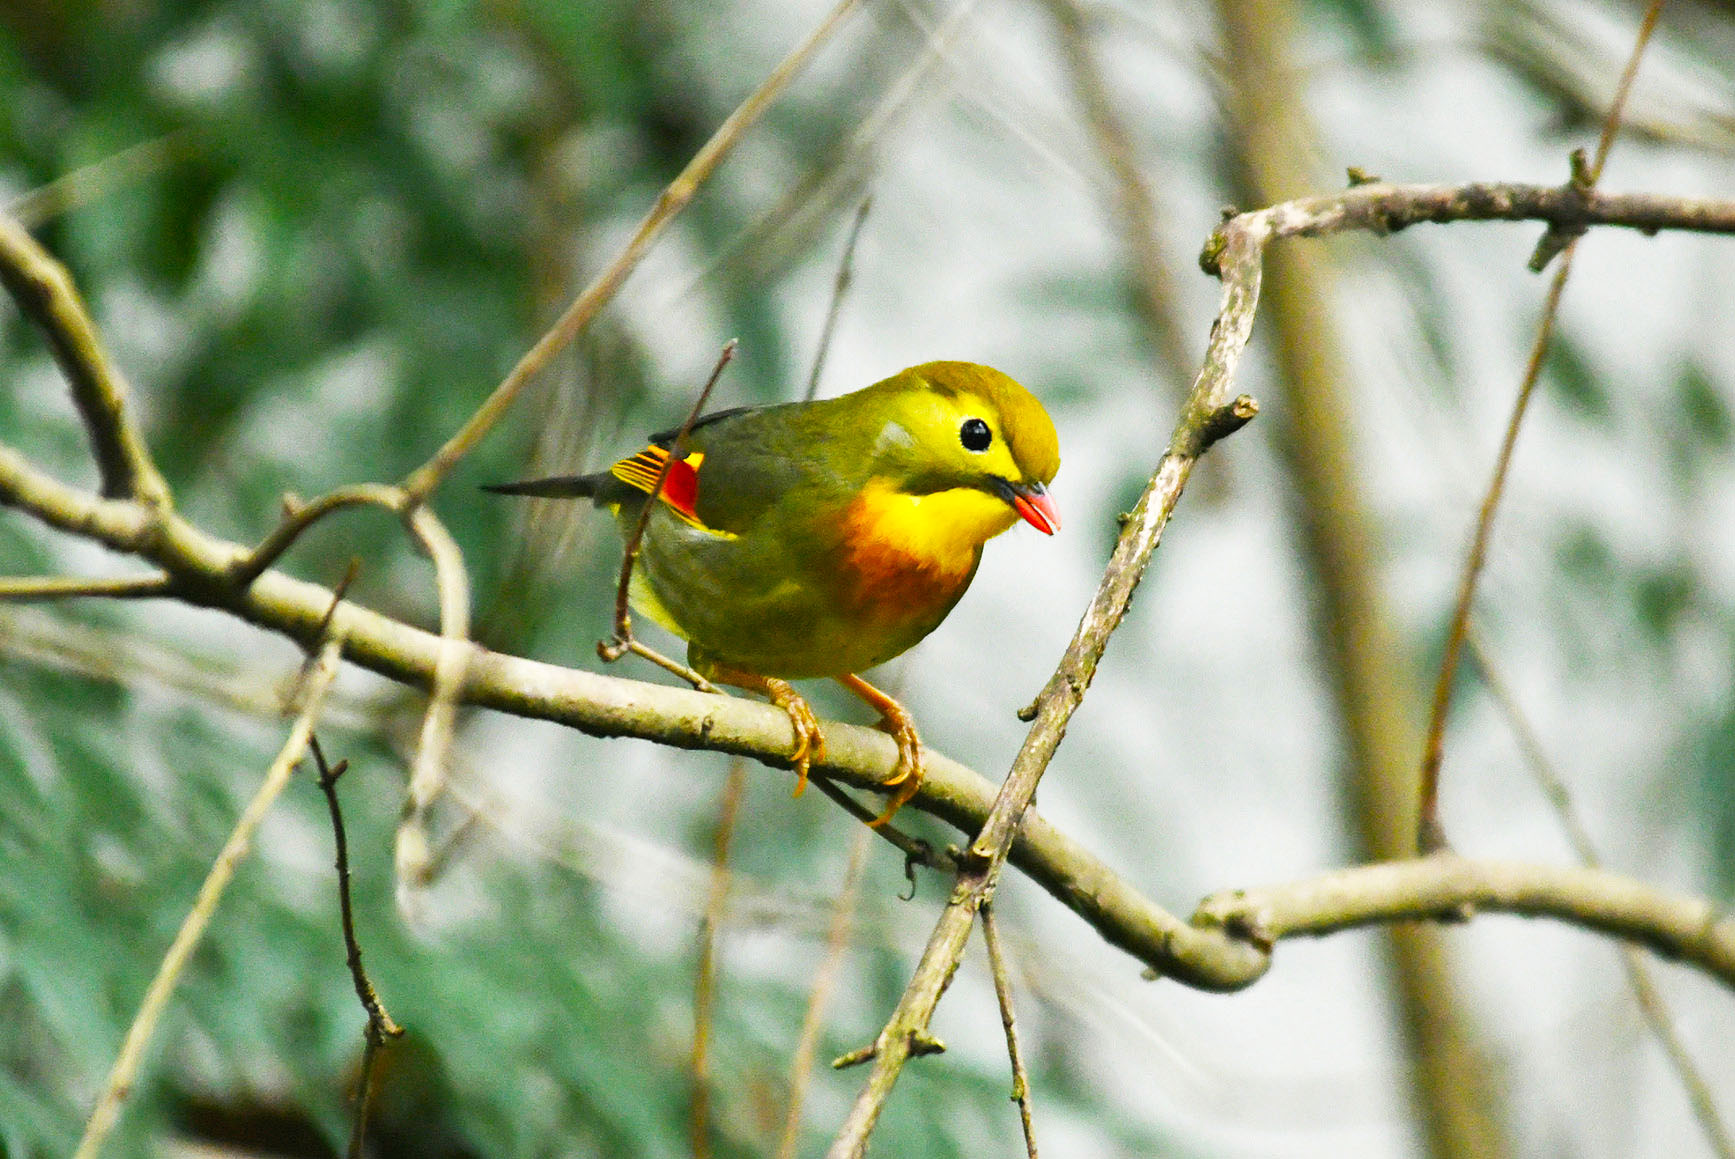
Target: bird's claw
906,778
809,744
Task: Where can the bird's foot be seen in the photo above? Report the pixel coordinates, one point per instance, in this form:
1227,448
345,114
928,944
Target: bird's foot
896,720
809,744
907,777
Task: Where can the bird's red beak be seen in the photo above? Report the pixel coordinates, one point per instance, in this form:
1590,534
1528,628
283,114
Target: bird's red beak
1033,502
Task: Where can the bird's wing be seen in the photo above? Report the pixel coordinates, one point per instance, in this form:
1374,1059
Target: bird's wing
738,462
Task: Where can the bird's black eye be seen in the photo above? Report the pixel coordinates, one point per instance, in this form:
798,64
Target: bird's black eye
975,435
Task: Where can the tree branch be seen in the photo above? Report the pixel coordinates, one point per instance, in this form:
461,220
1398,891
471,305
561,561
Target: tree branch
126,1066
674,198
44,292
1689,929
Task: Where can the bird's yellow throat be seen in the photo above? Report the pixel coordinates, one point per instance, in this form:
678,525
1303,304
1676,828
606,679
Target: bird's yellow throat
940,530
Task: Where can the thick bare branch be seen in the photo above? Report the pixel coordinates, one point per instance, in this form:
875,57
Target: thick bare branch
44,291
1692,930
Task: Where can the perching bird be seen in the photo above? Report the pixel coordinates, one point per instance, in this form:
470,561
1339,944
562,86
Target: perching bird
819,539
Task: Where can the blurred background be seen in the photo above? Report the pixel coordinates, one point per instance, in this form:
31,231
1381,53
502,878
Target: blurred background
317,232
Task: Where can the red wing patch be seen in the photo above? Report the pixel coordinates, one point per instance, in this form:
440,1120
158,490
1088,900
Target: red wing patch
680,485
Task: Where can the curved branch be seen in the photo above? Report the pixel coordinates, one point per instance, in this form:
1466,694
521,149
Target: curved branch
610,706
1444,886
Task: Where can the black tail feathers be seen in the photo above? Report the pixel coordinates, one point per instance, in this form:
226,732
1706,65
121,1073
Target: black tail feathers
558,487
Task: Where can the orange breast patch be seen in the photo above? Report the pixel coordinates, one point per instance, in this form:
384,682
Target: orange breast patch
905,555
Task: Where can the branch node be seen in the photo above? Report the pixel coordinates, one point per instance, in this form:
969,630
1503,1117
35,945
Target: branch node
1211,256
1226,420
1574,220
922,1043
856,1057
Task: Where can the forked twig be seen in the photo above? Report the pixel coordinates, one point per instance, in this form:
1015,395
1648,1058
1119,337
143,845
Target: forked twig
1430,833
126,1066
380,1025
298,517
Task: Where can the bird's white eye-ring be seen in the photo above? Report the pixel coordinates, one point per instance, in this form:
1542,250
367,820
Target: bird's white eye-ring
975,435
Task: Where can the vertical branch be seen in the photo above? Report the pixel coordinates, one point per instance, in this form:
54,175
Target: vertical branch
840,287
1372,681
1431,835
705,983
1003,992
380,1025
813,1022
624,641
126,1066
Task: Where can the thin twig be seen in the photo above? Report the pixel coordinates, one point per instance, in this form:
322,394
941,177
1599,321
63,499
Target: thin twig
915,850
1640,980
624,641
820,191
840,287
1003,993
87,183
1430,833
299,516
126,1066
1202,419
674,198
380,1026
44,290
819,996
24,589
705,980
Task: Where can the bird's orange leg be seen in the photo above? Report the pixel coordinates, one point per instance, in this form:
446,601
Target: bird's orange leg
896,720
809,744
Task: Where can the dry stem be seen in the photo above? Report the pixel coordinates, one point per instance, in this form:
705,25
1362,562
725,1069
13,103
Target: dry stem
380,1025
126,1065
813,1021
1430,834
674,198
